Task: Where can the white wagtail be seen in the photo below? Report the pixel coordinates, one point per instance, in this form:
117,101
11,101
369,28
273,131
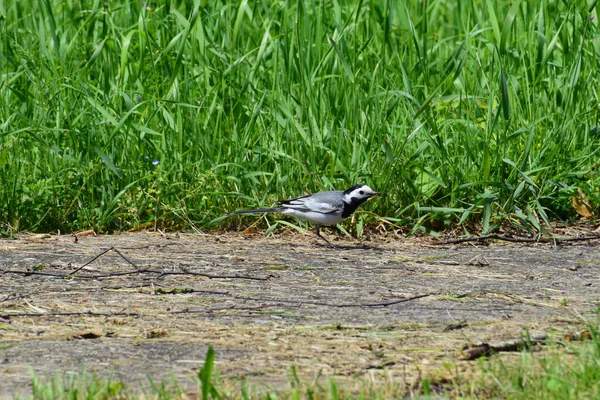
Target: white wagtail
323,208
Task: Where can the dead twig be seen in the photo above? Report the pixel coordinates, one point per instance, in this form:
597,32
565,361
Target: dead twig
70,313
300,303
156,245
41,273
211,276
211,310
189,291
103,253
538,239
232,307
22,328
159,272
91,261
486,349
391,303
140,270
125,258
383,304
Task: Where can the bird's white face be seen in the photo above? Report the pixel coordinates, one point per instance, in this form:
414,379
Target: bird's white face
361,193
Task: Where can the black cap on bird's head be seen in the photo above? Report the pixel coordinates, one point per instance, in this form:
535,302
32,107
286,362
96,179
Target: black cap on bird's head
360,191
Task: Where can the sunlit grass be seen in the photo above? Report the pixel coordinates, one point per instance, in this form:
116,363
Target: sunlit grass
125,115
561,372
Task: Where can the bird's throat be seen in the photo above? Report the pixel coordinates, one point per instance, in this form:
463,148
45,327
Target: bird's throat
349,208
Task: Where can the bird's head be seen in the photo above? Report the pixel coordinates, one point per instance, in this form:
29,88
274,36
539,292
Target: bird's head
359,194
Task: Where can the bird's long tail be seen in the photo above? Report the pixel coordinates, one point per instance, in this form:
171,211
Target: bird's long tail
257,211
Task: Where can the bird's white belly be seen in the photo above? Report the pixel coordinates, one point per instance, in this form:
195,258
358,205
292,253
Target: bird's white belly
316,217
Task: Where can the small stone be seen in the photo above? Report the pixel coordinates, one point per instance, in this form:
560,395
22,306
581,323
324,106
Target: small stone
573,268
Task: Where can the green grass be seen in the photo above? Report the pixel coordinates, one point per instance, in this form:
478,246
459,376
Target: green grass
124,115
75,387
562,371
572,372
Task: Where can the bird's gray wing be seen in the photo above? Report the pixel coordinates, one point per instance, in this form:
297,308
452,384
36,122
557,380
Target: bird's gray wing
323,202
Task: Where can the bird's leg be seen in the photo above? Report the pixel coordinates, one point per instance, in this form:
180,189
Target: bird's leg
318,233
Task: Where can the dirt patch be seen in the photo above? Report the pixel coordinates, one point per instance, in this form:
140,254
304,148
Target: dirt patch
286,301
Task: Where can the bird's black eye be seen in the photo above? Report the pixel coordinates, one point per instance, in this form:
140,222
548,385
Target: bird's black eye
361,192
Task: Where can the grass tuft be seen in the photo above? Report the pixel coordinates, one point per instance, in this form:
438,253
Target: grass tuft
128,115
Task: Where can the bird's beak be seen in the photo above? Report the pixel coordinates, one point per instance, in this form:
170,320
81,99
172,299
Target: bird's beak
375,194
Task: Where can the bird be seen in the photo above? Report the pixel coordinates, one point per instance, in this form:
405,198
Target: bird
322,208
